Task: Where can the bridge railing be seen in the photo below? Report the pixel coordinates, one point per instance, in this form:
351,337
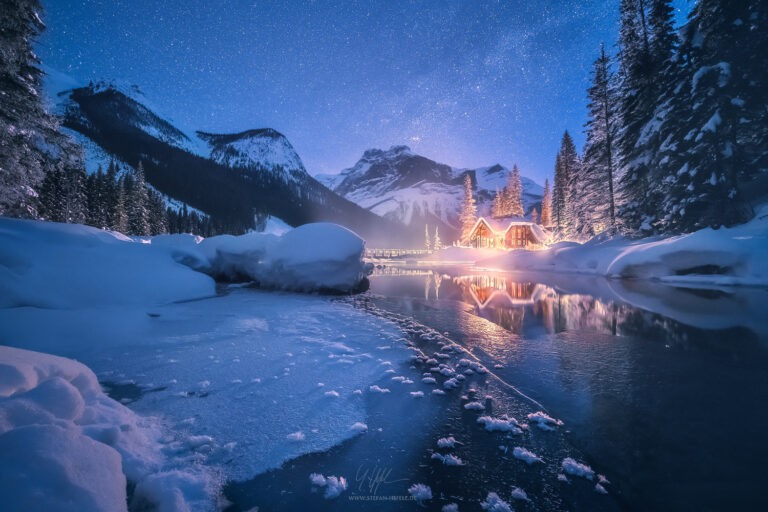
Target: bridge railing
376,253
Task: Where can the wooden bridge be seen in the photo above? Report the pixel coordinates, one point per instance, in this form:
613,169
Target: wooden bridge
389,254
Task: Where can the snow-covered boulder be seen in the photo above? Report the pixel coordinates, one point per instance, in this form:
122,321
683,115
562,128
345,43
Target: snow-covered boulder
312,257
65,445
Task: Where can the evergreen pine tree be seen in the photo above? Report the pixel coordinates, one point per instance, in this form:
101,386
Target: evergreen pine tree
138,200
437,244
468,215
427,243
29,136
566,167
497,208
597,199
51,196
546,206
535,216
514,194
158,219
74,200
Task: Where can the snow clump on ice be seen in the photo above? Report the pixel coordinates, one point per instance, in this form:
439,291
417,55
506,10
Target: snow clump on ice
544,421
446,442
574,468
503,424
525,455
333,485
493,503
420,493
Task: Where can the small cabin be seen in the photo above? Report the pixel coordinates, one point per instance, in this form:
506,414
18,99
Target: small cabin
506,234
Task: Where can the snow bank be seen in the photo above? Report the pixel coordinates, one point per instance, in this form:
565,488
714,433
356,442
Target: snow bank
65,266
80,446
61,266
726,256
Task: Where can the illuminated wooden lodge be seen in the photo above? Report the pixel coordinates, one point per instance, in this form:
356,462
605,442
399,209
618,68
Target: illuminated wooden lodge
507,234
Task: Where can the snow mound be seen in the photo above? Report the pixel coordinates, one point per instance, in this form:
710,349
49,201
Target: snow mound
493,503
80,445
527,456
420,493
451,507
571,467
312,257
61,266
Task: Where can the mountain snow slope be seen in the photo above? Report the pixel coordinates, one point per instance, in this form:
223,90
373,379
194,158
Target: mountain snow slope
402,186
230,177
264,149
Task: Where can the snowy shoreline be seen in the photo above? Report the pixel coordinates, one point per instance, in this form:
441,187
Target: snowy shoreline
736,256
228,385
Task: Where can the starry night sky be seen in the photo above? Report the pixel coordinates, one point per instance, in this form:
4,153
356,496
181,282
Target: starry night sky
465,83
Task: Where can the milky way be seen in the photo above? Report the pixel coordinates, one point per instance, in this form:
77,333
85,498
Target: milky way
466,83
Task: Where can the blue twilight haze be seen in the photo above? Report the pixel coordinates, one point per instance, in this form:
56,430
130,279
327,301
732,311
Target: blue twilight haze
465,83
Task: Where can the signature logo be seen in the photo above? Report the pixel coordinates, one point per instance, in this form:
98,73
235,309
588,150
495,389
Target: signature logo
370,479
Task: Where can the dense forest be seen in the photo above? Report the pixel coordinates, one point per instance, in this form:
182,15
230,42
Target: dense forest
677,132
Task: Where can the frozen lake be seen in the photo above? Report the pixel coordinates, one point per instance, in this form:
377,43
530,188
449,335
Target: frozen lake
660,389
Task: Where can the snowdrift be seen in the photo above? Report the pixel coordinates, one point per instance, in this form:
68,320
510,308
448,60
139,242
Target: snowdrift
725,256
62,266
64,445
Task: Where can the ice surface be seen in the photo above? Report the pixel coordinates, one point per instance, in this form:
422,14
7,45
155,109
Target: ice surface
450,507
247,335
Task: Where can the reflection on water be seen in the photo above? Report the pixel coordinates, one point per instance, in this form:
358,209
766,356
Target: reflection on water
652,380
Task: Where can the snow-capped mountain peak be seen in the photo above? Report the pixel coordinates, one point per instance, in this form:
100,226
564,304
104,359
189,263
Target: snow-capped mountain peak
260,148
403,186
